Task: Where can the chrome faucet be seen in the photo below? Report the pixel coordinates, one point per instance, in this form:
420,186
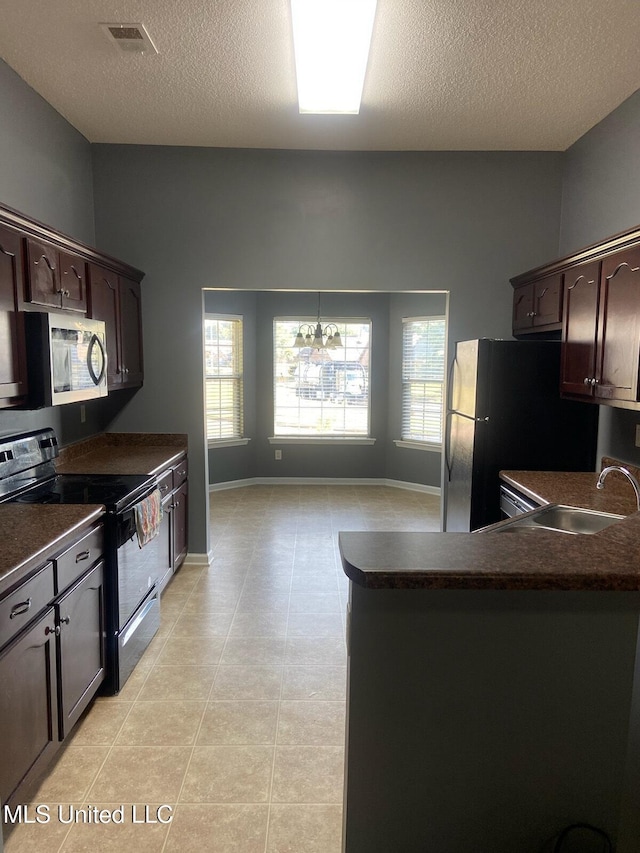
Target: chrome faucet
628,475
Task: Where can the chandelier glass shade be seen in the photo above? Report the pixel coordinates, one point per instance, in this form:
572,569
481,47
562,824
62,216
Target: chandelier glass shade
318,337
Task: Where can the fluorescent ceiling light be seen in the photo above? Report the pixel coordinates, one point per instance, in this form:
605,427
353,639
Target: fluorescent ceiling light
331,39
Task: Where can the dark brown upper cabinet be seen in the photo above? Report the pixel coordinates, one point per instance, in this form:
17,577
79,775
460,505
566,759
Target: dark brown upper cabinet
581,297
55,279
618,340
13,355
537,305
600,319
117,301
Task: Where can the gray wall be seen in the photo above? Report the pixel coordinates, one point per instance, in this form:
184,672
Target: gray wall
600,197
46,173
45,164
262,220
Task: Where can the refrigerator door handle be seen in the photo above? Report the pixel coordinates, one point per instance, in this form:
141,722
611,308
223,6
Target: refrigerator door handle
468,417
447,435
447,441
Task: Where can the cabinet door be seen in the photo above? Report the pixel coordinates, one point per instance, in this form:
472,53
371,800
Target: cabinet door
104,305
619,327
578,372
82,667
179,515
13,357
131,332
73,281
28,705
43,275
522,308
547,300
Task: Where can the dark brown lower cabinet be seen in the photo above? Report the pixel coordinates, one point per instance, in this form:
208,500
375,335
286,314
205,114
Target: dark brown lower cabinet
28,704
51,664
179,525
174,488
81,662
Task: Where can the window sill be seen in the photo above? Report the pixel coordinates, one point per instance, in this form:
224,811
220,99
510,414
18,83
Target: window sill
325,439
227,442
418,445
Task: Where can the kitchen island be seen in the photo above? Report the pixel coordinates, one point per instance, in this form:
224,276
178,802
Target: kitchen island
493,689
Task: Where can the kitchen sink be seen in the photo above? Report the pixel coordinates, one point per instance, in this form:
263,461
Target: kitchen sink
563,519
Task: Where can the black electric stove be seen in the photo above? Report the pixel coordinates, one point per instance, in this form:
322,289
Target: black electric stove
132,606
114,491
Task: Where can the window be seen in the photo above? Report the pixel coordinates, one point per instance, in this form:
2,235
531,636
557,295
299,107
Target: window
321,392
223,377
423,344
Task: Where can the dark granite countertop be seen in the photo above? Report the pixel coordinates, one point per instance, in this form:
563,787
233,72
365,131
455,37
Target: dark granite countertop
123,453
526,559
575,489
31,534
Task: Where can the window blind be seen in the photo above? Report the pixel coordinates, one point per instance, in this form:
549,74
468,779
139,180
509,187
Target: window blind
423,344
223,377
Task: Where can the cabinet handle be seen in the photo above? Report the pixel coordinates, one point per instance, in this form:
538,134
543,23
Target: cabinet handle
55,631
176,504
65,620
164,488
181,473
594,382
20,608
83,555
587,381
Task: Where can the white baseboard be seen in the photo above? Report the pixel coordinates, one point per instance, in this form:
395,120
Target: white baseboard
324,481
198,559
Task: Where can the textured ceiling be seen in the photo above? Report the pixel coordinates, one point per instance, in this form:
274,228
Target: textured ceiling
443,74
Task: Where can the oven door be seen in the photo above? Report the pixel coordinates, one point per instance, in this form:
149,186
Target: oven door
134,638
139,569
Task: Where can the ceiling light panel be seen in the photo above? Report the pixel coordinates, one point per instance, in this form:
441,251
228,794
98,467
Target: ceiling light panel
331,43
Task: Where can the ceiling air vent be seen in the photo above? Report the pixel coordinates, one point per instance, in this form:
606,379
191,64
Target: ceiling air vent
130,38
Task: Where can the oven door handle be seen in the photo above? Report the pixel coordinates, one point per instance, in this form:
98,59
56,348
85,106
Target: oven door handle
153,602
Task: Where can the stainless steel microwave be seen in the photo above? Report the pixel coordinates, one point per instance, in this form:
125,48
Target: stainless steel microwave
67,358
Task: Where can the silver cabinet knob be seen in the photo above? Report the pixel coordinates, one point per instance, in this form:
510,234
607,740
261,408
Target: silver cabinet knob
587,381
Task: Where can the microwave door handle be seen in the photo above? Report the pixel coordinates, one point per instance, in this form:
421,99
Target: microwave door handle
95,341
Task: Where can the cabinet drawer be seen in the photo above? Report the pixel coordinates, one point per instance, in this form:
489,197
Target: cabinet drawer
76,561
180,473
165,483
25,602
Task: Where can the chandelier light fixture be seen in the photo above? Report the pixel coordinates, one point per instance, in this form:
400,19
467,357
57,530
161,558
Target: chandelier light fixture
331,40
317,337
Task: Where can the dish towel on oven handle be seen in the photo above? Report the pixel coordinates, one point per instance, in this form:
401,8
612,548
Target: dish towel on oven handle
148,517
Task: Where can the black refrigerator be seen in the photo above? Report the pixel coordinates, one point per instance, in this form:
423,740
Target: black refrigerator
505,412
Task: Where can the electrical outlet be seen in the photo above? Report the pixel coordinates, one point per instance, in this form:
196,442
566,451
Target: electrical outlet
83,414
637,435
278,455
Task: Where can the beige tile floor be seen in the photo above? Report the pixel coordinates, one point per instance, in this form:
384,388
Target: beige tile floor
235,716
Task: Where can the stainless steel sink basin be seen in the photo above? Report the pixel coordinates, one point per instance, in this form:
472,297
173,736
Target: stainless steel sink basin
563,519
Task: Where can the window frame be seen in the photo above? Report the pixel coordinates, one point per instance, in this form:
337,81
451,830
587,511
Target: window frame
322,437
410,441
236,379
